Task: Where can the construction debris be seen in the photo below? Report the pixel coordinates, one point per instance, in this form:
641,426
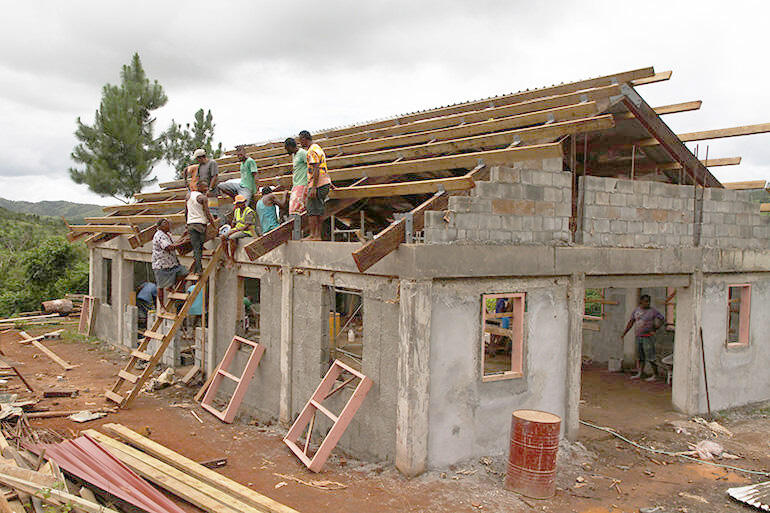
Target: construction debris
85,416
321,484
757,495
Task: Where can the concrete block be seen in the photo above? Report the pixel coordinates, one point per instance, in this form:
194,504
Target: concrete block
610,184
534,192
601,225
505,174
435,219
552,194
500,235
530,223
487,190
626,240
619,227
563,179
627,212
563,209
542,178
513,207
466,221
641,187
489,221
625,186
511,223
522,237
549,224
544,208
461,203
481,205
635,227
602,198
555,164
618,200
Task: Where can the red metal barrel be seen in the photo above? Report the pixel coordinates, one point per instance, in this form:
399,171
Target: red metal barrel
532,458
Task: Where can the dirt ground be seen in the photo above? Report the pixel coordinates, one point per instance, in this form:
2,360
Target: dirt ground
587,470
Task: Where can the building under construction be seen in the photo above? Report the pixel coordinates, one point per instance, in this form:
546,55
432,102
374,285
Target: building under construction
562,204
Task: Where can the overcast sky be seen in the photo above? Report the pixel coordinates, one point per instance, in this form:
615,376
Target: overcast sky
270,69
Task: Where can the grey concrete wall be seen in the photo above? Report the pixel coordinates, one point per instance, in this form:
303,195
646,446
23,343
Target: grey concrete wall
604,344
736,375
525,204
107,318
638,213
468,417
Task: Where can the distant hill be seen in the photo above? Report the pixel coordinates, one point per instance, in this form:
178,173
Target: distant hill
74,213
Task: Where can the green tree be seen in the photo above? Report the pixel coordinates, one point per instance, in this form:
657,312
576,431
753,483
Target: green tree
179,143
119,150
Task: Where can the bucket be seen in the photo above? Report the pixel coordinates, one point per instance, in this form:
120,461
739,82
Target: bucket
532,458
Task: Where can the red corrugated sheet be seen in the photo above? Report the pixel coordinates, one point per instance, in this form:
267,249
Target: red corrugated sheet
89,461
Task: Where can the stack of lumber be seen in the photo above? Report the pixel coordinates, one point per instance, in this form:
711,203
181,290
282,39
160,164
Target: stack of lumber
181,476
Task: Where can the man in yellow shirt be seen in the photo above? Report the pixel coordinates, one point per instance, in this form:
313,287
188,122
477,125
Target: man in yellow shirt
318,183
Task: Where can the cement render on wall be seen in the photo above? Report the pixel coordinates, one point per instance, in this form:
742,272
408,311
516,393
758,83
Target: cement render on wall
470,418
736,375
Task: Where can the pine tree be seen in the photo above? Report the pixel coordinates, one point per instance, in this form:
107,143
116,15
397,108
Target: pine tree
180,143
119,150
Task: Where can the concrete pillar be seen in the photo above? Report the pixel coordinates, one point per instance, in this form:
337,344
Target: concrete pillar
686,381
225,305
629,342
576,310
130,325
287,311
91,277
413,377
209,352
123,273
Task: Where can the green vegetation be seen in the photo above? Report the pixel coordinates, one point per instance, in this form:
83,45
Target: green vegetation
74,213
119,150
180,143
593,308
37,263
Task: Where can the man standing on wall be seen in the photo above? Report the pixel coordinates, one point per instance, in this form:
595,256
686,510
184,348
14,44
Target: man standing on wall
647,321
165,264
268,219
208,171
247,185
198,215
299,176
318,183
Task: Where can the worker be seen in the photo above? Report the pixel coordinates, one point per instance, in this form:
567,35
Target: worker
244,223
208,170
195,312
190,175
165,264
647,320
299,176
246,186
198,215
268,219
318,183
145,300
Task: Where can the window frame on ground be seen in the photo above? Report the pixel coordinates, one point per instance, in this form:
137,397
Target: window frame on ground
107,280
515,333
600,301
742,332
333,344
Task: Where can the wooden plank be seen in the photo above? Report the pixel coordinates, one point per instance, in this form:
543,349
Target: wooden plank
460,183
657,77
173,480
50,354
495,330
177,218
53,496
666,109
29,318
718,133
391,237
750,185
764,207
196,470
101,228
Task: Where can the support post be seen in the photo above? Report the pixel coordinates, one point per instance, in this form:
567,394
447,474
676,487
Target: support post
413,377
629,342
576,308
686,381
287,307
211,333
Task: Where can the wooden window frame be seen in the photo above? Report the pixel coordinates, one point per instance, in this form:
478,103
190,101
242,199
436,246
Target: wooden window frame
744,315
595,317
670,323
107,284
517,338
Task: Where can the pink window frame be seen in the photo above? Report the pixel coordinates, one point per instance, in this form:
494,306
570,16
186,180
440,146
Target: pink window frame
517,338
744,316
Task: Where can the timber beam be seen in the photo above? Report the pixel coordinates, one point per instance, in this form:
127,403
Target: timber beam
459,183
665,109
103,228
745,186
176,218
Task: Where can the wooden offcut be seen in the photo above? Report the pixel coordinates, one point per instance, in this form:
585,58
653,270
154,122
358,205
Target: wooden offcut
50,354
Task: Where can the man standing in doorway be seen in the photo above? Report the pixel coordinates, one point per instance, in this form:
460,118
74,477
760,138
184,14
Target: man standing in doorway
647,321
318,183
198,216
299,176
247,185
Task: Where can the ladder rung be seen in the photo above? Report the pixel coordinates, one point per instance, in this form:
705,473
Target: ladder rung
142,356
182,296
133,378
167,315
323,410
112,396
154,334
229,376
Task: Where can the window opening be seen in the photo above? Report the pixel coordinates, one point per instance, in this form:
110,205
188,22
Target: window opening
344,333
107,280
738,314
502,336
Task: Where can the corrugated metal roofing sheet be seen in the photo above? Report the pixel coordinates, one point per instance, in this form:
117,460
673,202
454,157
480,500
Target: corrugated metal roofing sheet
88,460
757,495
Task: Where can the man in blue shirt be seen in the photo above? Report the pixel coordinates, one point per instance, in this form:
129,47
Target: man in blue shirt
145,301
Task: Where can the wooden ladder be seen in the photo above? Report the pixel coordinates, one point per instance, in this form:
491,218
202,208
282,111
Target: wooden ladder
241,383
129,372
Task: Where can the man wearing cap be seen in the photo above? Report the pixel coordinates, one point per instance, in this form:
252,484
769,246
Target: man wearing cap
208,170
246,186
244,220
318,183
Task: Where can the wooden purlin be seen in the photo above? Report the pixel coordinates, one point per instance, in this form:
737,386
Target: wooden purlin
718,133
175,218
667,138
338,155
615,78
665,109
745,186
458,183
643,166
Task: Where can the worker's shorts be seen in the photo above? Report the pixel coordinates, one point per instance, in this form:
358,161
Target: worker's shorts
297,199
165,278
645,347
234,188
238,235
316,206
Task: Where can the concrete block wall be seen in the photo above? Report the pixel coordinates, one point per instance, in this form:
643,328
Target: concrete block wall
529,203
638,213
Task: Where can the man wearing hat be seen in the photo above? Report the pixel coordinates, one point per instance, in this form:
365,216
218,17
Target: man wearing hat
244,221
208,170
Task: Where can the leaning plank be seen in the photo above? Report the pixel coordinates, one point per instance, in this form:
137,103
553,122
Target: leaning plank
194,469
173,480
52,495
50,354
391,237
